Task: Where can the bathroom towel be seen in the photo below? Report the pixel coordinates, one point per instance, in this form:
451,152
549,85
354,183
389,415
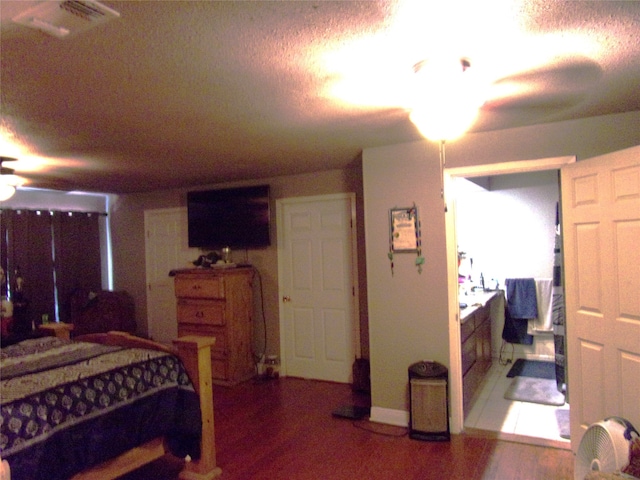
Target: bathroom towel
544,300
521,305
521,298
515,330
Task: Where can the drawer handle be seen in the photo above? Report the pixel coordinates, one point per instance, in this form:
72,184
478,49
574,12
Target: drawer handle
196,287
199,314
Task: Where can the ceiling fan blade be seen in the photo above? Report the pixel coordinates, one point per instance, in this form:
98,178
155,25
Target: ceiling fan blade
6,170
556,86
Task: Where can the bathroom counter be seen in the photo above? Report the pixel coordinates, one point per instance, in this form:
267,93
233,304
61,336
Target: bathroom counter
475,301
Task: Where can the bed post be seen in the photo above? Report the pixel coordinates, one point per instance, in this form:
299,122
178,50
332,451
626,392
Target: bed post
195,353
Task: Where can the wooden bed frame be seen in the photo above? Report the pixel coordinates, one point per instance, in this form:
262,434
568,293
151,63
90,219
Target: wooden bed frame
195,354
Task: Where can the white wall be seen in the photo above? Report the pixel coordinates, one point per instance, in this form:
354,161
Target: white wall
406,305
409,313
127,217
508,229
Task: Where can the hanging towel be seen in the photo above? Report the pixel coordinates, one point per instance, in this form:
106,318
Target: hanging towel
544,300
521,305
521,298
515,330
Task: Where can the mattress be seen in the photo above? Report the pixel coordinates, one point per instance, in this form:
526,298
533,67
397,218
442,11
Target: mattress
66,406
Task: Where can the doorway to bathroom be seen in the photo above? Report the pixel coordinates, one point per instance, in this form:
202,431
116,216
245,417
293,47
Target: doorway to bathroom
504,224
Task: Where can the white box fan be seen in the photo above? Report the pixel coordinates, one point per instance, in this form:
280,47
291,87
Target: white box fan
605,447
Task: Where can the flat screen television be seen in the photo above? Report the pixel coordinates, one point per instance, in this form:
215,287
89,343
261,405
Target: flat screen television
231,217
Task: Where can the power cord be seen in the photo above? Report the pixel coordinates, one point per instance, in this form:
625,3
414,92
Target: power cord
502,360
257,358
362,426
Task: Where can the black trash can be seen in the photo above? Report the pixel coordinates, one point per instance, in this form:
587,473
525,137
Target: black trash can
429,402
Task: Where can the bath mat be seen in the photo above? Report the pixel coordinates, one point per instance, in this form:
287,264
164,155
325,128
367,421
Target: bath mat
562,417
534,390
532,368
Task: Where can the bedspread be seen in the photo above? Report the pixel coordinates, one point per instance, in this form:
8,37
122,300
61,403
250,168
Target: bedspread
69,405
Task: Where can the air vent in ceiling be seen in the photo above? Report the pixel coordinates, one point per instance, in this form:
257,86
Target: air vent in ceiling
64,18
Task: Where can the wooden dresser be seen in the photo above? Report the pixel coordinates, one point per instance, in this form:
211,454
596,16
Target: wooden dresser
219,302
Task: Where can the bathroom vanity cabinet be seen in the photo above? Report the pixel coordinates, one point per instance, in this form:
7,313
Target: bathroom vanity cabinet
475,335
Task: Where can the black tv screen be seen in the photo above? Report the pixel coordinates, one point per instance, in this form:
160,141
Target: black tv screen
232,217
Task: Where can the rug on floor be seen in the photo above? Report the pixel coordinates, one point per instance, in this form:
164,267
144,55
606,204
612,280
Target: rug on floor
562,417
534,390
532,368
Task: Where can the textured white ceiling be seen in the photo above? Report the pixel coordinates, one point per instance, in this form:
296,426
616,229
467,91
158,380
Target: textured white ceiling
194,92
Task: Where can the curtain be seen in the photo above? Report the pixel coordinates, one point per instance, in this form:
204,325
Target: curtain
29,252
77,256
4,219
559,339
54,252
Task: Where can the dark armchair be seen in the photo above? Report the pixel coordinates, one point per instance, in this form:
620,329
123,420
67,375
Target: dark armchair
102,311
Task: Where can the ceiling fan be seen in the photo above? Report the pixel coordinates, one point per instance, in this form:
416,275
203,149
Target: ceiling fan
536,75
539,91
8,180
558,85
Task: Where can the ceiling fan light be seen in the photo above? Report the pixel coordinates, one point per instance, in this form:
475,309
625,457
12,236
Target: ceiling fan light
6,191
443,124
447,98
8,181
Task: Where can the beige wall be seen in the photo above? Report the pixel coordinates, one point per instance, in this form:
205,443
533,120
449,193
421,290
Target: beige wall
128,238
408,313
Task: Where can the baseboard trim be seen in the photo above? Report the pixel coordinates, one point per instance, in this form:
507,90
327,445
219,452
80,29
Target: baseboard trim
540,357
512,437
525,356
388,416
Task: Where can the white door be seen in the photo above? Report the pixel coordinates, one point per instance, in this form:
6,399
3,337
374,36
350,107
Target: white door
317,286
601,230
165,249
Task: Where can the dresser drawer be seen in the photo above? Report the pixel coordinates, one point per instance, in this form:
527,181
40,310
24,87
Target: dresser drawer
219,369
219,303
469,354
482,314
219,349
467,328
199,286
201,312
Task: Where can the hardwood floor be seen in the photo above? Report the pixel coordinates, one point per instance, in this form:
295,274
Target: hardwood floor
283,429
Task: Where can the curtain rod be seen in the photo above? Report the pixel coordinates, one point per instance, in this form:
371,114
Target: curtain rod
53,210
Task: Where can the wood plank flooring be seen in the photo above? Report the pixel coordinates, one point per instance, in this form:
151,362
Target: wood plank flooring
283,429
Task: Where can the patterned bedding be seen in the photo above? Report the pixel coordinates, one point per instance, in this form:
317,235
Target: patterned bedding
65,406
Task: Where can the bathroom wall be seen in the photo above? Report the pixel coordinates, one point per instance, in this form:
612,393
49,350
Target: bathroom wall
506,224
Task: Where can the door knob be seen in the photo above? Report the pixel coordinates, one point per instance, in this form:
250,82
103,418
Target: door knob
286,299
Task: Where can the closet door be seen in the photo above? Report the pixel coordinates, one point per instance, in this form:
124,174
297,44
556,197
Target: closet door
316,282
165,249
